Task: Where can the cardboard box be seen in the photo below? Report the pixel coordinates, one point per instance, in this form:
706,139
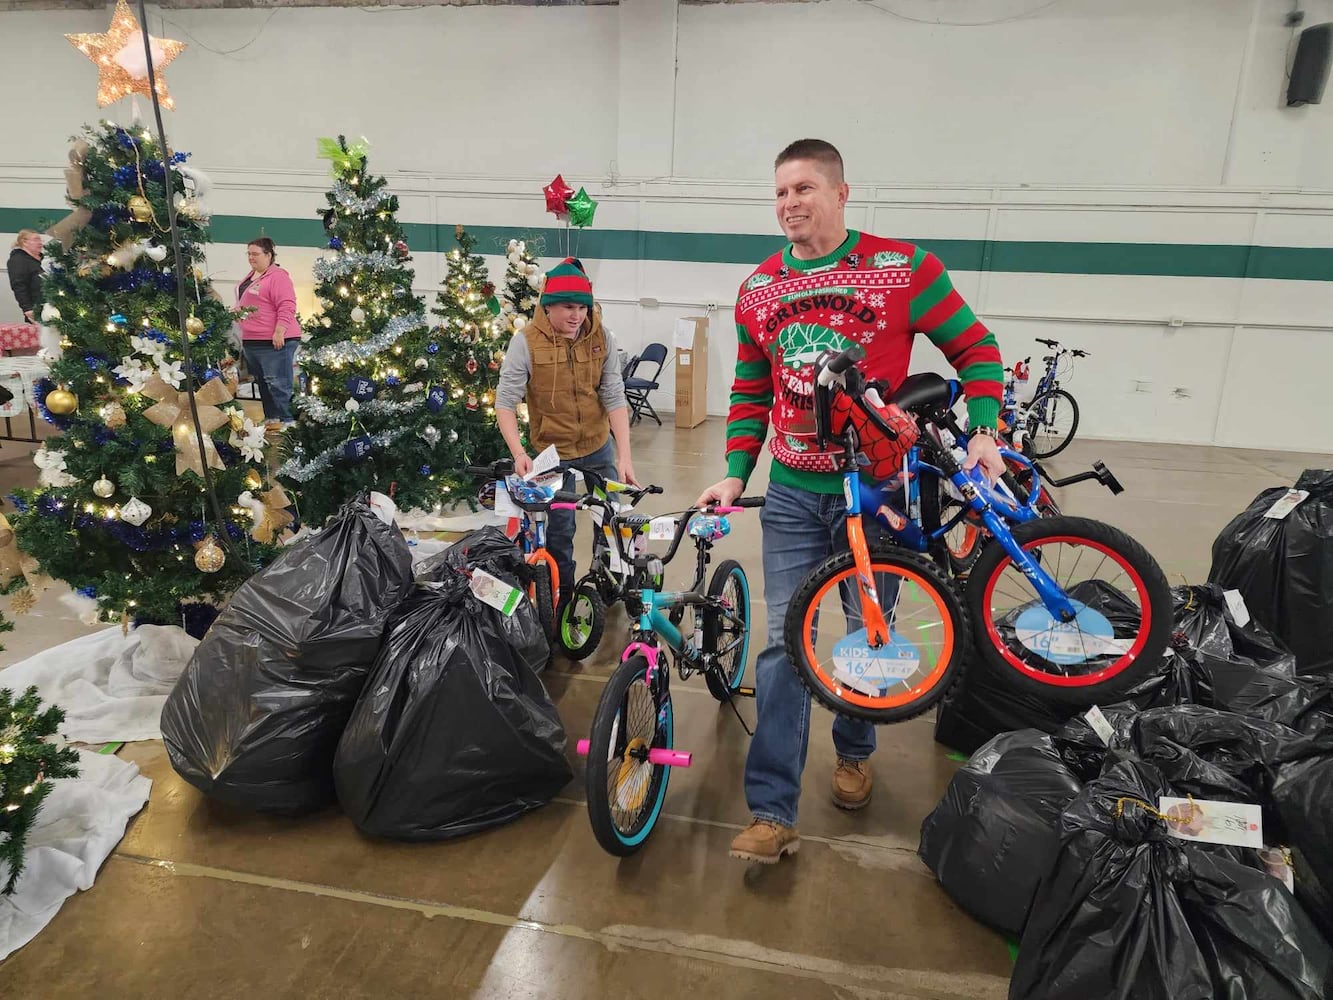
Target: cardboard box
691,339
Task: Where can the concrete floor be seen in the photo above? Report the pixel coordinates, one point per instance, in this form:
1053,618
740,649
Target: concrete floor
203,901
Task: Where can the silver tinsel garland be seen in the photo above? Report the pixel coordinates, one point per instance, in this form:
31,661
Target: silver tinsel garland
347,197
346,350
322,413
348,261
303,472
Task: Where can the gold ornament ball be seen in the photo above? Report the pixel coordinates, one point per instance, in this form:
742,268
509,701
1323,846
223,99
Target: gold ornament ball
104,487
194,326
253,480
140,208
62,402
237,421
209,557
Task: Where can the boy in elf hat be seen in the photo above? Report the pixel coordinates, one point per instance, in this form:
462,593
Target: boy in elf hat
564,363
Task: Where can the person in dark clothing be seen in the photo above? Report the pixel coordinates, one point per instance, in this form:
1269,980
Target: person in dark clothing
25,272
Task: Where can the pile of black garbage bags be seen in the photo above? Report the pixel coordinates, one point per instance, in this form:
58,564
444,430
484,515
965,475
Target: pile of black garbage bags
1051,831
341,673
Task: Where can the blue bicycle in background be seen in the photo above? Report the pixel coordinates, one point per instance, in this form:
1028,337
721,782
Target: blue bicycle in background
1065,608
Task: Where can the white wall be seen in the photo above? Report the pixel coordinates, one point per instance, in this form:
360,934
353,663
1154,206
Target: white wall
1136,121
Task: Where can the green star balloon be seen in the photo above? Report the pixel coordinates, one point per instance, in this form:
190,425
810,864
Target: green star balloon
581,209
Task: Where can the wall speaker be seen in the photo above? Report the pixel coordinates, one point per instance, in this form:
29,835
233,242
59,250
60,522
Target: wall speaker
1309,70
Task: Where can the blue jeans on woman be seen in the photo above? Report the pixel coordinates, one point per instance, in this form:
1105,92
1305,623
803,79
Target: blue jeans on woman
800,530
560,523
272,370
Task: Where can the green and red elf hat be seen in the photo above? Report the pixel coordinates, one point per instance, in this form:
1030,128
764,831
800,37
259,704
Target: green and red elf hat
567,282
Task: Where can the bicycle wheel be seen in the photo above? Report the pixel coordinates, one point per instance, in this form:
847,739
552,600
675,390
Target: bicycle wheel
1121,599
624,789
539,593
1052,421
728,584
961,545
582,621
928,637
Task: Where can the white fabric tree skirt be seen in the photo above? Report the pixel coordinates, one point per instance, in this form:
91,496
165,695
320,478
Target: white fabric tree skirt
79,825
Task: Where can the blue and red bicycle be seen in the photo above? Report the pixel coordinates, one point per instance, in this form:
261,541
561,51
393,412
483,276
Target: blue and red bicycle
1065,608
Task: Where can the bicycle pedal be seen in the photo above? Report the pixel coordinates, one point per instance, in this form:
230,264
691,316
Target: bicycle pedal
744,692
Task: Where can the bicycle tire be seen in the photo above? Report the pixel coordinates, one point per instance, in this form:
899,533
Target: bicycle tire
1052,395
600,810
1124,550
958,561
722,690
572,644
539,593
925,574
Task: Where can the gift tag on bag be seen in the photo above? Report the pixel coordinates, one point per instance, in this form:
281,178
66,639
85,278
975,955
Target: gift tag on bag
1286,504
1100,724
494,591
1239,824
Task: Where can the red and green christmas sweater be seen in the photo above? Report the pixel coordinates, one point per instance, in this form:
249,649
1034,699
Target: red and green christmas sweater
875,292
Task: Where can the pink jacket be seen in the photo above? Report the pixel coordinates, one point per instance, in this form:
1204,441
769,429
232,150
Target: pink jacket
274,301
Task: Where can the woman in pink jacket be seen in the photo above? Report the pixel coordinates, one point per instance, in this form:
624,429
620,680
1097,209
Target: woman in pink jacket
270,333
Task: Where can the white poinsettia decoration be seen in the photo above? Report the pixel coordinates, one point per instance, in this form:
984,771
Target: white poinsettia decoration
52,464
250,440
149,348
171,374
135,372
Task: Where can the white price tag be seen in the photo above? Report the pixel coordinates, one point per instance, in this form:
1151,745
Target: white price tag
1286,504
616,563
662,527
1240,614
504,503
683,360
1100,724
494,591
543,463
683,334
1240,824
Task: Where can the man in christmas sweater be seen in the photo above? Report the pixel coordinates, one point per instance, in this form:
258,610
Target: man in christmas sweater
829,288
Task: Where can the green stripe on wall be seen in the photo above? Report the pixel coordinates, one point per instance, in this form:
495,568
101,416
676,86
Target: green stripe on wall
1185,260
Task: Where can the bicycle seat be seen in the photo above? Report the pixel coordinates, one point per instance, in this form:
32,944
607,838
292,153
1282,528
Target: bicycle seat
529,496
925,389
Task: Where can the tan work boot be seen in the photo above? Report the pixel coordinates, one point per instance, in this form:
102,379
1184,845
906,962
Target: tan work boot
765,841
851,784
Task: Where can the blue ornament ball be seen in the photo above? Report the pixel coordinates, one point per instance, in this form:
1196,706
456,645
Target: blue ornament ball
432,348
424,470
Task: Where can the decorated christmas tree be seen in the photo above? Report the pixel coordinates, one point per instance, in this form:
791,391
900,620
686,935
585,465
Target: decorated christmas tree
377,412
122,514
471,338
27,765
523,282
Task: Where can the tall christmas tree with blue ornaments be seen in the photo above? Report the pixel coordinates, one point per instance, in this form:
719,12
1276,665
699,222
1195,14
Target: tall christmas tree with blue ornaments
389,403
121,513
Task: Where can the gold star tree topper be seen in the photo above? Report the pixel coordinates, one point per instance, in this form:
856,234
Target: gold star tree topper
118,54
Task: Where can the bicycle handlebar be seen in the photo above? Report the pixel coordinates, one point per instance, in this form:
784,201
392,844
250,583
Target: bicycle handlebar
1048,343
1079,354
841,363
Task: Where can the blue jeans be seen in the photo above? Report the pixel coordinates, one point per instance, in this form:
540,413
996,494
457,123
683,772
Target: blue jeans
560,523
272,370
800,530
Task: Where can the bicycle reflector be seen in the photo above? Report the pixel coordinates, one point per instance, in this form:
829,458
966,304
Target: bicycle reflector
486,495
881,455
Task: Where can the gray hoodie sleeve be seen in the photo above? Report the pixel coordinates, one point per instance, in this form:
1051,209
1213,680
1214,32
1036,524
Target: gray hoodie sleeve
515,372
612,386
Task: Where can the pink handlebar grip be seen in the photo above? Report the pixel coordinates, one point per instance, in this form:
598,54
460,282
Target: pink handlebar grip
657,755
727,510
564,506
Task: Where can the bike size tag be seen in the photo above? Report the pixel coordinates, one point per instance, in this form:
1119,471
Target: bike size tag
662,527
873,671
494,591
1240,613
504,503
1100,724
1286,504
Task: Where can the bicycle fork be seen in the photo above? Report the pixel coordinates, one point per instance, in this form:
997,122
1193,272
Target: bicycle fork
872,615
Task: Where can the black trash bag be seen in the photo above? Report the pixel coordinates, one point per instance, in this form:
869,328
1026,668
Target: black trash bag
993,835
982,705
1276,694
491,550
1303,794
255,718
454,732
1129,913
1082,748
1284,568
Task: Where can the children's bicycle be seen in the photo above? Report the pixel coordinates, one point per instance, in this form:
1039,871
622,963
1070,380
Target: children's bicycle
1039,624
534,500
631,749
618,538
1043,426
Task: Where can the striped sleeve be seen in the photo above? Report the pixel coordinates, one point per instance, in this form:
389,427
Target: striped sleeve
751,404
940,313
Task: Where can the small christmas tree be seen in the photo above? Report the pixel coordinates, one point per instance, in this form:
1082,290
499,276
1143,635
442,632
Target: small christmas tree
122,515
375,412
471,338
27,765
523,283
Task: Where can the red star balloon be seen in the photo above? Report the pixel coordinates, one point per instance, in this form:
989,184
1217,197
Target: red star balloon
557,193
